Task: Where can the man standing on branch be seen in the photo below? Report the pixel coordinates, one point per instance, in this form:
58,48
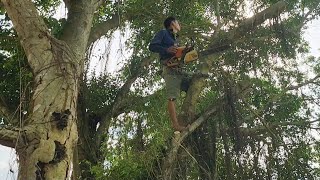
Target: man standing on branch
166,44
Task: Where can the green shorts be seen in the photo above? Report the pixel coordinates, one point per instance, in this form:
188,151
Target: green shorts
176,80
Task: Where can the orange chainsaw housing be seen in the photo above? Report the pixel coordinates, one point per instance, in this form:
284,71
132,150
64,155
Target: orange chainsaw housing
179,51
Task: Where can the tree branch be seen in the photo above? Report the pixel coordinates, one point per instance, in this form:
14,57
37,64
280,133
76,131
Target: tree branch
8,136
246,26
78,26
101,29
30,28
121,101
67,3
258,130
310,81
250,23
217,13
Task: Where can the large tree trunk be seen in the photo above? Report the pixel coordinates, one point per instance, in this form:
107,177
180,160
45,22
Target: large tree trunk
49,134
46,144
87,151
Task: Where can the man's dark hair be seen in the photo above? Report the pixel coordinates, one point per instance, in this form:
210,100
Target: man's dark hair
167,22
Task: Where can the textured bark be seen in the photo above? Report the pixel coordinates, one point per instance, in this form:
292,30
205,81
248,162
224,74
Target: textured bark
87,152
49,134
78,27
9,136
227,154
46,145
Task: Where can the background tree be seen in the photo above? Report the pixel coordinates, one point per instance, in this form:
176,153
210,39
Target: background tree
251,118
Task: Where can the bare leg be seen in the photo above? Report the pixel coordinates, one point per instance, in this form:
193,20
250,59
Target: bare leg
173,116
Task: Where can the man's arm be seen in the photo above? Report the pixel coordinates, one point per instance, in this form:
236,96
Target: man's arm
156,43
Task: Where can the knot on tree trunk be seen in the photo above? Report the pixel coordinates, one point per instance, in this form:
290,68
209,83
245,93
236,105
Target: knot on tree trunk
59,154
61,118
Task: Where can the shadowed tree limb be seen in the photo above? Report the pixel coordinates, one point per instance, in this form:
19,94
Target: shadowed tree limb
78,16
102,28
67,3
122,101
258,130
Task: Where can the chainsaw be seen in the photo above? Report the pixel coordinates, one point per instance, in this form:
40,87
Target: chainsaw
185,54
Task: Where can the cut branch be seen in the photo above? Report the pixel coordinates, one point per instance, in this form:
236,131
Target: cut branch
8,136
251,23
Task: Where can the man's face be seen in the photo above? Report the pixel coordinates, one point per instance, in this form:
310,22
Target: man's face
175,26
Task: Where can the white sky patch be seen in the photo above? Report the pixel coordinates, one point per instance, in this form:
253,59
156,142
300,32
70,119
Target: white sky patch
312,35
110,53
61,11
8,165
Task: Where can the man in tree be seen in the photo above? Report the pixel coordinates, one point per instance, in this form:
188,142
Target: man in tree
166,44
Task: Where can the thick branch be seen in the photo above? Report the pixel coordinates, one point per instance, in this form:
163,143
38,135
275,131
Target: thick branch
171,156
118,105
78,26
246,26
67,3
250,23
101,29
8,137
30,28
121,101
262,129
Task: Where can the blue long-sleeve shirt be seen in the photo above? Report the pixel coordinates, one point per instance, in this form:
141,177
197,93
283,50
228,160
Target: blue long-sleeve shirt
161,41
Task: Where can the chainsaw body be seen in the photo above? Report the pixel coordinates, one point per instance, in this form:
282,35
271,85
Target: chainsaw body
184,54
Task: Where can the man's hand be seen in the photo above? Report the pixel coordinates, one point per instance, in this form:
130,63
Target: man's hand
172,49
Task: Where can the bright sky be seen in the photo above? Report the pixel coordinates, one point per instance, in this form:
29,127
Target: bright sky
7,162
313,36
7,155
